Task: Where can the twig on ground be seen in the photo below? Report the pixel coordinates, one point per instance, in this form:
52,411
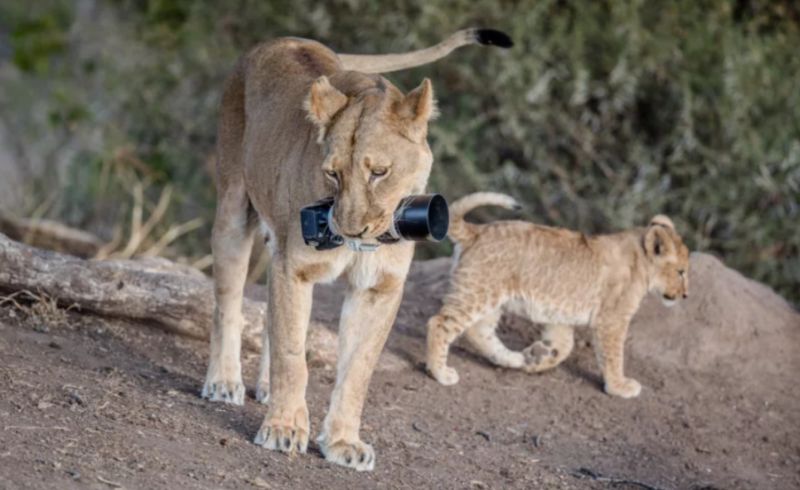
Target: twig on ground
584,473
34,427
109,482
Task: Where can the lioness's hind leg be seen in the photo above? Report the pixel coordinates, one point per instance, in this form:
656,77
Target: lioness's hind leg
556,344
231,242
483,336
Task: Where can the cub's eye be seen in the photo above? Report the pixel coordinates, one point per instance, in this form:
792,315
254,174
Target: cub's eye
681,272
379,171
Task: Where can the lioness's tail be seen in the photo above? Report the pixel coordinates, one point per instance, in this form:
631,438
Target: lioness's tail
460,231
384,63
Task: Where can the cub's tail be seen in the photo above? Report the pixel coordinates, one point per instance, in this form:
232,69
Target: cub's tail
384,63
461,231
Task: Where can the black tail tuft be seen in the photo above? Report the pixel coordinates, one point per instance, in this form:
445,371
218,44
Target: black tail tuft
492,37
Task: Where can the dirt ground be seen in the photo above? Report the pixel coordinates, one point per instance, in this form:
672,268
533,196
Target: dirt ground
93,403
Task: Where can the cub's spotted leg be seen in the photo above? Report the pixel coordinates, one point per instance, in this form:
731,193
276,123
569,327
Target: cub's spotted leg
556,344
609,344
286,426
455,316
231,242
483,336
367,318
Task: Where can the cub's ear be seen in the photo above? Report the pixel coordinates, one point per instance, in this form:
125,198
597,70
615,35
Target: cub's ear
662,220
657,241
323,102
417,108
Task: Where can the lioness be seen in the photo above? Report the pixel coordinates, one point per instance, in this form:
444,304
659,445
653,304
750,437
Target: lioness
299,123
557,277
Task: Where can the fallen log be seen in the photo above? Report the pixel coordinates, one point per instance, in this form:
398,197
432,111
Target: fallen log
152,290
51,235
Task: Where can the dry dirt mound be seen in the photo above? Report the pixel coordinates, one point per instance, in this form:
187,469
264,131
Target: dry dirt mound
730,324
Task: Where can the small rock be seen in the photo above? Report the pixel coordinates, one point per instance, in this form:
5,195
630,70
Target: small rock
75,398
44,405
485,435
258,482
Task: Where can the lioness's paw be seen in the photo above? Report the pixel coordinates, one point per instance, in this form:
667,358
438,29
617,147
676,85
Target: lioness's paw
220,390
445,375
357,455
628,388
280,437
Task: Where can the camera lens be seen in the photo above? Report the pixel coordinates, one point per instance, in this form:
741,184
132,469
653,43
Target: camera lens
422,218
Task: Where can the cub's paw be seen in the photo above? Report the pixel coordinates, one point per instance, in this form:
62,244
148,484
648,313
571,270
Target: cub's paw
445,375
357,455
539,356
627,388
279,436
217,389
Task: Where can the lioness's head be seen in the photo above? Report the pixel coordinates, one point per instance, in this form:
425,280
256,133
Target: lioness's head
669,260
374,140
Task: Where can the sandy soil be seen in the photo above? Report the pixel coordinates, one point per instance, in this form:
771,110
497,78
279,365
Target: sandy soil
93,403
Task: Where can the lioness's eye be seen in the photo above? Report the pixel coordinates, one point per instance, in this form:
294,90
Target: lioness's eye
379,171
681,272
332,174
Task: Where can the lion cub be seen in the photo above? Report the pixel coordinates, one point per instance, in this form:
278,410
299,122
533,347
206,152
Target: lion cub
557,277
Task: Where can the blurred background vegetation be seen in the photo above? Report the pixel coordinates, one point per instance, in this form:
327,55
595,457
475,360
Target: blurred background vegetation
604,113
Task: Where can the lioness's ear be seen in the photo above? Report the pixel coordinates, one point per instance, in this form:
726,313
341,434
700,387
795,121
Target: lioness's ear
419,104
417,108
662,220
657,241
323,102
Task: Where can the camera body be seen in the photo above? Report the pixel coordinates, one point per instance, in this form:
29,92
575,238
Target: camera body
417,218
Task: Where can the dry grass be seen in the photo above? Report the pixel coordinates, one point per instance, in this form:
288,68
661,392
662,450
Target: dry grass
40,310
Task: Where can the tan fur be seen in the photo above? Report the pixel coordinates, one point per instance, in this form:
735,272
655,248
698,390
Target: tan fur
557,277
392,62
296,127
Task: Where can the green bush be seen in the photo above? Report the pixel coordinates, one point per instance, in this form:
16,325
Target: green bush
603,114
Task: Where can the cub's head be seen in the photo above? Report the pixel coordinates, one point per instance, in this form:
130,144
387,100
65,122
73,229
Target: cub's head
668,259
374,141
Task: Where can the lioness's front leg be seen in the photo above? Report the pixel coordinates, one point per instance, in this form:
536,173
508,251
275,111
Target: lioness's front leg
286,425
367,317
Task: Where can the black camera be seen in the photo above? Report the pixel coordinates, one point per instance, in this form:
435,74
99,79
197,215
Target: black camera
417,218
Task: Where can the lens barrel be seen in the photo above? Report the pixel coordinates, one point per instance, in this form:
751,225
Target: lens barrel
422,218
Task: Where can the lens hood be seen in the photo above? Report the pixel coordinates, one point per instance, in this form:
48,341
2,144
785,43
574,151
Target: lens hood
422,218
